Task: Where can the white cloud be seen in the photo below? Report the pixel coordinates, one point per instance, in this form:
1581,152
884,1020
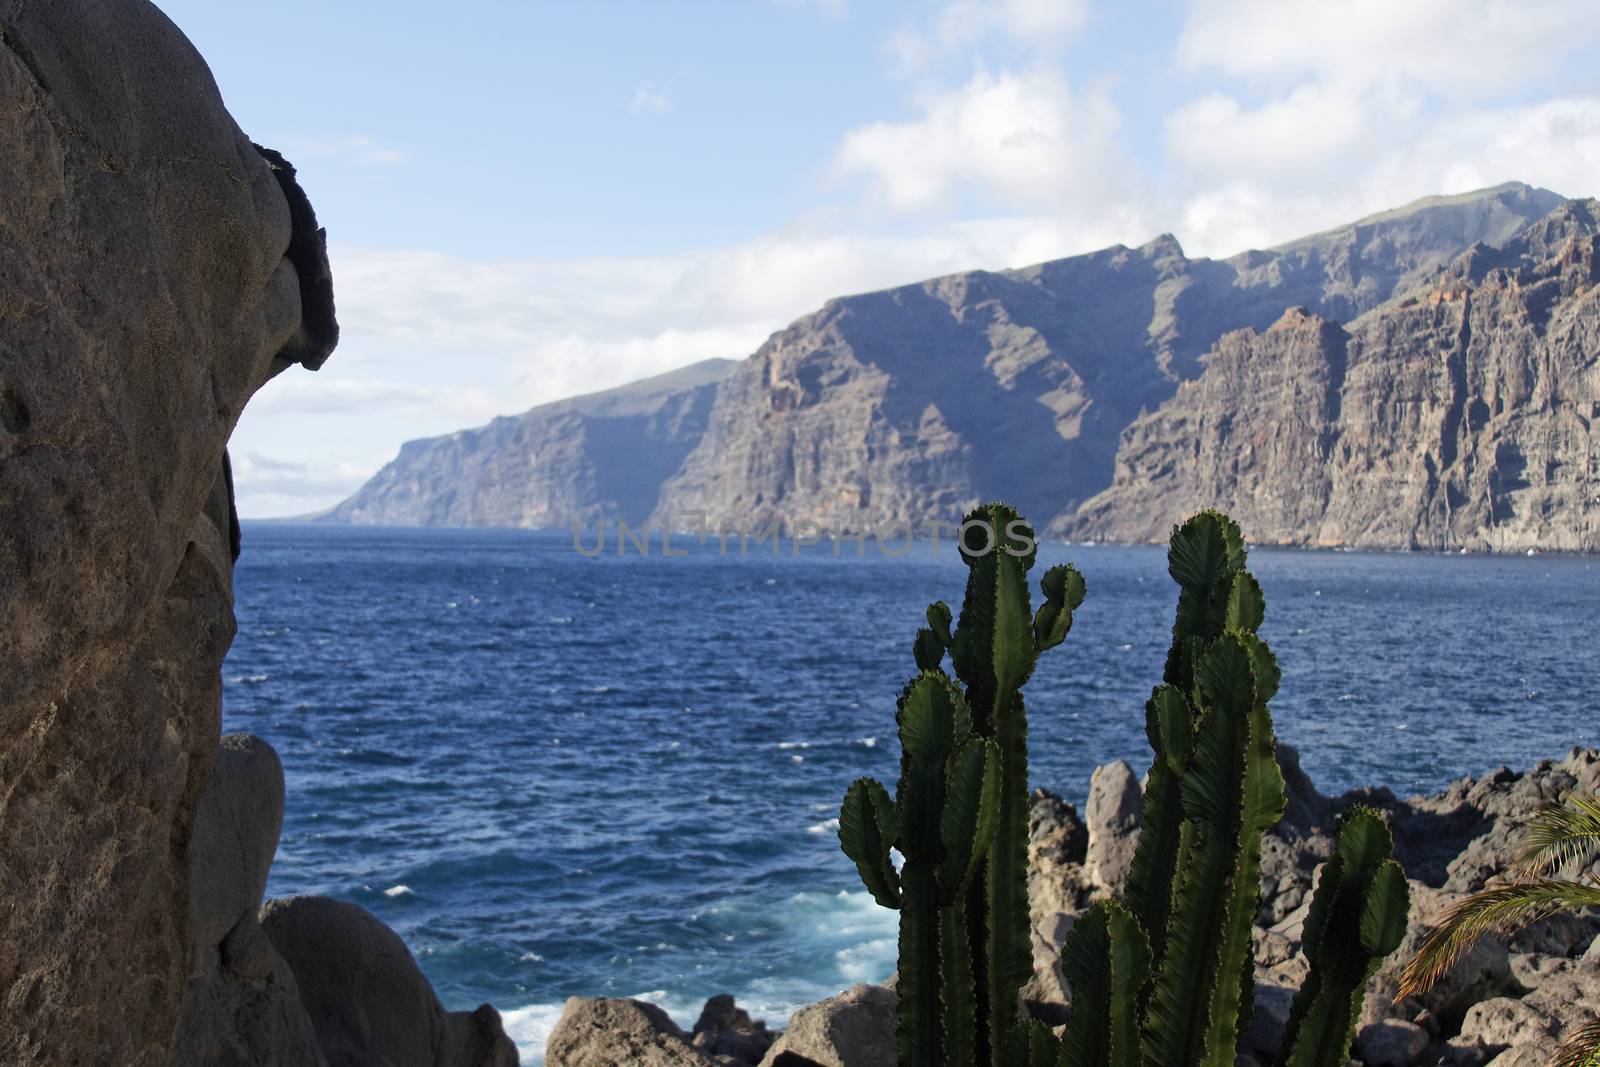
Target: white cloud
1026,141
331,394
960,25
1554,144
356,149
1345,107
1452,47
1297,135
272,486
650,98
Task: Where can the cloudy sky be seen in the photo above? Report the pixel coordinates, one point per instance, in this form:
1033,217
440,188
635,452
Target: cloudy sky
528,200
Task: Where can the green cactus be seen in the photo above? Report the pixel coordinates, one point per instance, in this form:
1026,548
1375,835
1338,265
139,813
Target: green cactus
1167,978
1357,918
959,817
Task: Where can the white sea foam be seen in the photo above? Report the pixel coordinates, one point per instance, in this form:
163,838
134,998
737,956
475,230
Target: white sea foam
397,891
864,933
794,744
529,1028
823,827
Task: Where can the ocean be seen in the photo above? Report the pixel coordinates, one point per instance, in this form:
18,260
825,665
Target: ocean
557,774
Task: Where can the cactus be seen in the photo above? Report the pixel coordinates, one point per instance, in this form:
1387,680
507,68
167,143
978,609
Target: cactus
959,817
1166,977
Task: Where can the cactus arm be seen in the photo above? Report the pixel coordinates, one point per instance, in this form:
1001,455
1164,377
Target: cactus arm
928,650
1169,725
1044,1047
992,648
1357,918
1247,606
1106,961
1203,557
867,824
971,814
960,992
919,1026
1192,1013
1010,944
1063,589
934,721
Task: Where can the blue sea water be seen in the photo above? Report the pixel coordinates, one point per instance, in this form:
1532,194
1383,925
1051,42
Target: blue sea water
558,775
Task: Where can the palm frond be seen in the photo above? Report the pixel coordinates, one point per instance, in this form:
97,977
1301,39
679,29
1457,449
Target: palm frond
1581,1048
1499,909
1562,834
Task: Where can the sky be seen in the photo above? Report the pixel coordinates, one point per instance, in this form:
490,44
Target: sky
530,200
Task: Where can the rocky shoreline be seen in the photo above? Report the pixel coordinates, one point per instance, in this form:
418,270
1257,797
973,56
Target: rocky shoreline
1508,1004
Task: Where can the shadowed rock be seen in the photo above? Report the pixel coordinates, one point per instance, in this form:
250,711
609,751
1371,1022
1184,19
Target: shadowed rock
369,1003
145,295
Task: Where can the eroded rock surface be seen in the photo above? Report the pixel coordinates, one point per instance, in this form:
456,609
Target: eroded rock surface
156,269
145,294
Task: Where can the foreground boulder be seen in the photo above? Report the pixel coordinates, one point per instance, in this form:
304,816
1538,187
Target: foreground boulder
368,1002
853,1029
618,1032
241,1005
608,1032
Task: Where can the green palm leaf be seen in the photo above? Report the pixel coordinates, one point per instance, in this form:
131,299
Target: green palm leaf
1581,1048
1562,835
1499,909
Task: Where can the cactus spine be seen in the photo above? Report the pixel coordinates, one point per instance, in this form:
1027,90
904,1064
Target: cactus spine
1194,888
960,814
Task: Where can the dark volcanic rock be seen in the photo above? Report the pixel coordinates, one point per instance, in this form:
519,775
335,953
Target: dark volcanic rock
367,1000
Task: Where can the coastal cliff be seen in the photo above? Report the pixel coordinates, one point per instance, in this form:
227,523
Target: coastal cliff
1462,416
1427,375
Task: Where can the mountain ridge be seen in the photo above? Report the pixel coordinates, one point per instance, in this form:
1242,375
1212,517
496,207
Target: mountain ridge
911,403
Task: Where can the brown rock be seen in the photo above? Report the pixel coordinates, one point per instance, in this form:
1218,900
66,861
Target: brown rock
853,1029
604,1032
1112,816
145,294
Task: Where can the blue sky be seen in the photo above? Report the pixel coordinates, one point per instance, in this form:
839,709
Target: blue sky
530,200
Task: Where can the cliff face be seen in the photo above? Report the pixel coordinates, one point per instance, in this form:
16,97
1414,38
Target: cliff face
1464,415
595,458
913,403
146,291
156,269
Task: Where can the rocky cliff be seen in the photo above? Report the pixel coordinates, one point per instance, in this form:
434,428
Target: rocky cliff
1037,386
600,457
1462,416
156,269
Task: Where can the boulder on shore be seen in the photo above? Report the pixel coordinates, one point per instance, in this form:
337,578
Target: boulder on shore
368,1002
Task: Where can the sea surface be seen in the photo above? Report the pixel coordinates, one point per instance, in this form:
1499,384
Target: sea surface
560,775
